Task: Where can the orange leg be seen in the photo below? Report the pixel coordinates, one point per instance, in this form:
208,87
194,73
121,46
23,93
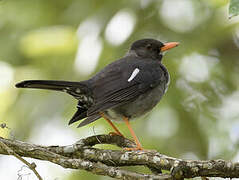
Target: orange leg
139,147
113,126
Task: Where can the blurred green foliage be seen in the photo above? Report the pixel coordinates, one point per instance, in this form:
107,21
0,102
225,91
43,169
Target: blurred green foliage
233,8
198,116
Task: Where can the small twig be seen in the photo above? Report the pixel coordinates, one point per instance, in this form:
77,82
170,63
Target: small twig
96,136
31,166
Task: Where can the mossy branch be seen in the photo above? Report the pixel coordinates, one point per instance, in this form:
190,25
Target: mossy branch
82,155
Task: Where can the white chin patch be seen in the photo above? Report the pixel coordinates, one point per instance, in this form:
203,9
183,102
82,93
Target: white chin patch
133,75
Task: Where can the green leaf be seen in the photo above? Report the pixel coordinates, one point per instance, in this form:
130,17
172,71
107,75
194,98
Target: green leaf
233,8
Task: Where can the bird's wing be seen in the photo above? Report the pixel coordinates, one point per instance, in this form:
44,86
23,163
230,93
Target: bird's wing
124,82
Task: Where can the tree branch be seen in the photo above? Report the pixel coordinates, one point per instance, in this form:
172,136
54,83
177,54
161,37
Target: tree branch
31,166
82,155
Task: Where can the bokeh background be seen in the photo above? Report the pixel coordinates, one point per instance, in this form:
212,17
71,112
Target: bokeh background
198,118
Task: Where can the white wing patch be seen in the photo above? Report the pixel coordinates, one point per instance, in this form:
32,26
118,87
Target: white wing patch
134,73
166,87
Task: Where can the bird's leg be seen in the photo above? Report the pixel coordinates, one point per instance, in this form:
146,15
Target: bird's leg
117,132
136,140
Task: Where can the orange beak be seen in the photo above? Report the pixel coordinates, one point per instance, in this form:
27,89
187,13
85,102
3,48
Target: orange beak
169,45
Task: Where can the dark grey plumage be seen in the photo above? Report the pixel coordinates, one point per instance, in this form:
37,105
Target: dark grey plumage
128,87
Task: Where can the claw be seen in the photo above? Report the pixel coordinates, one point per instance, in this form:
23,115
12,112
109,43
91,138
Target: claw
134,149
115,134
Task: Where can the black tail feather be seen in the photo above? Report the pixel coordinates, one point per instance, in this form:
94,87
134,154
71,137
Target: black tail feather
80,114
89,120
48,84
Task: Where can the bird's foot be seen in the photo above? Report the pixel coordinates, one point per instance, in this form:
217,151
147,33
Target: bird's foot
115,134
138,148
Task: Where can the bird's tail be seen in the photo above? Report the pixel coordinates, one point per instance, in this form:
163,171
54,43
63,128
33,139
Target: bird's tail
79,90
49,84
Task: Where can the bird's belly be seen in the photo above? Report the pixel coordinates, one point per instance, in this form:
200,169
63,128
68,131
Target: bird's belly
143,104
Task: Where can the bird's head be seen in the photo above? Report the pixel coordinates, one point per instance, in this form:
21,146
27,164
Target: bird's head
151,48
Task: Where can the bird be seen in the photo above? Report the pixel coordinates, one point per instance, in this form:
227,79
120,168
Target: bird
123,90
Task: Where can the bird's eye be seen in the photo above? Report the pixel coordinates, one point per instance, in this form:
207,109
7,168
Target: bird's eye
149,46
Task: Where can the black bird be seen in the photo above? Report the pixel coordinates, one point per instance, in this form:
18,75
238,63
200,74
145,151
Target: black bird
125,89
